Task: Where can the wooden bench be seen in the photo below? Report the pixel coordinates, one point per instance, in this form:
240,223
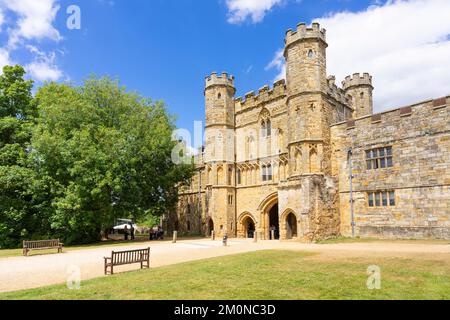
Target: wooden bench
121,258
42,245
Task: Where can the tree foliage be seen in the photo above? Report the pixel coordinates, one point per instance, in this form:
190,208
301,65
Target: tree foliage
17,112
89,155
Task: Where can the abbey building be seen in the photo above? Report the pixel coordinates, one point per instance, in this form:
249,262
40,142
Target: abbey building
309,160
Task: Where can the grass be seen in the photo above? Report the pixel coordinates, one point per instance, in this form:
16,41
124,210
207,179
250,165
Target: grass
276,275
374,240
9,253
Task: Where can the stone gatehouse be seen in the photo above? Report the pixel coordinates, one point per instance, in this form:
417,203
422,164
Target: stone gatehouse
280,159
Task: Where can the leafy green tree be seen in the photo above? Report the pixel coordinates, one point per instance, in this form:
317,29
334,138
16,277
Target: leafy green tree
104,153
17,176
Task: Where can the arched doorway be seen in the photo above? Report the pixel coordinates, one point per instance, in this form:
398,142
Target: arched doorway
274,222
210,227
291,226
249,228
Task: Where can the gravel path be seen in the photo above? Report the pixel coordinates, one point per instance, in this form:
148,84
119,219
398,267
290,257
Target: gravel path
40,270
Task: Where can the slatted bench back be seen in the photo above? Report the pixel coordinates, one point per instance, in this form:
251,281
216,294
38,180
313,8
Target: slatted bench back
132,256
41,244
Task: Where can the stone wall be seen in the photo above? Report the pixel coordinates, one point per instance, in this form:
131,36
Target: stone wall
420,139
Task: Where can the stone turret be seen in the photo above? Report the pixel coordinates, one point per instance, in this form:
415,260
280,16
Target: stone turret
360,90
307,85
223,80
303,32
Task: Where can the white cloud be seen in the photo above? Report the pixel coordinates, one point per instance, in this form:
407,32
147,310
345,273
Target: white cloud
278,64
43,71
240,10
43,68
4,58
34,20
405,45
28,21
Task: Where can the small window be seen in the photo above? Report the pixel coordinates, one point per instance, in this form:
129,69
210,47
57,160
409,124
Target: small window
381,199
379,158
219,96
310,54
239,177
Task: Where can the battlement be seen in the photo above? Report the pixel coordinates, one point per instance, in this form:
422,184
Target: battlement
335,92
357,80
303,32
265,94
219,80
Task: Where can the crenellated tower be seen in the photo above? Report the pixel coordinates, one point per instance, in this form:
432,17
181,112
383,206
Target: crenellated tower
360,89
220,152
309,114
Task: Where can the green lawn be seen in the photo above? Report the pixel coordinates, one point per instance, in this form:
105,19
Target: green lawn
374,240
265,275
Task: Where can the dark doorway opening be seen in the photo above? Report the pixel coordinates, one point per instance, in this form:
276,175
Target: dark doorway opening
249,226
291,226
210,227
274,222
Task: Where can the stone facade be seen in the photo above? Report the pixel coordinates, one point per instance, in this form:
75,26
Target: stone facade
279,159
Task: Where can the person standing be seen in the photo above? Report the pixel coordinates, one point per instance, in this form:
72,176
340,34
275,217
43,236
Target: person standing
132,232
126,233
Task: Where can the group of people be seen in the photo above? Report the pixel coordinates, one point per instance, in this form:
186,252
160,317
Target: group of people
157,233
129,231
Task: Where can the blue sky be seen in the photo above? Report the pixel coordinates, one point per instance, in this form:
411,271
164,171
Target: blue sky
165,48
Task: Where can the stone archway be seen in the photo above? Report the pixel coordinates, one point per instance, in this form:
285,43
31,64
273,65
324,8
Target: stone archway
269,216
274,222
210,227
290,225
246,225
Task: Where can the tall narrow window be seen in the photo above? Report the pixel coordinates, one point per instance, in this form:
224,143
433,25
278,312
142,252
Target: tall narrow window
269,173
392,198
269,128
264,173
371,202
263,129
239,177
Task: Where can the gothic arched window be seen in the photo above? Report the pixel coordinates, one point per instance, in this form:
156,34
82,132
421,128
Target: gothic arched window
269,173
263,129
269,128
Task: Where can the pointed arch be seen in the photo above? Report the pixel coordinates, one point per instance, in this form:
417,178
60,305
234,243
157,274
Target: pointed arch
314,166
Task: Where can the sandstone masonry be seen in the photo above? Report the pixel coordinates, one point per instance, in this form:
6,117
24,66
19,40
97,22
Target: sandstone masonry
279,159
